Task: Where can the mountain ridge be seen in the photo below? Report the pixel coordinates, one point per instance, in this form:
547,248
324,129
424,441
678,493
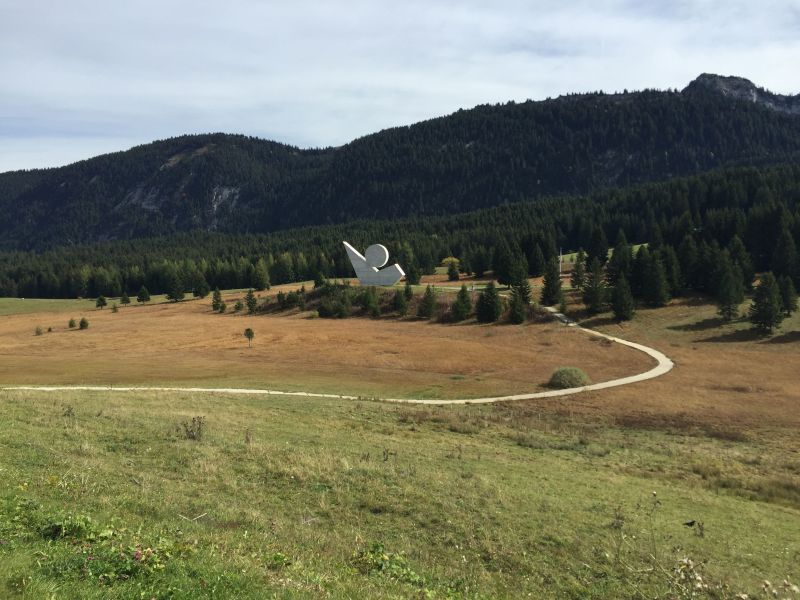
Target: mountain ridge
484,156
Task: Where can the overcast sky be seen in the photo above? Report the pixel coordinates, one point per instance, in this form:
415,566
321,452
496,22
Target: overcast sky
83,77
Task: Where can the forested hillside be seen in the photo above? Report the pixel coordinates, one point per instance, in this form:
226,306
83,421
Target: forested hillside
752,212
483,157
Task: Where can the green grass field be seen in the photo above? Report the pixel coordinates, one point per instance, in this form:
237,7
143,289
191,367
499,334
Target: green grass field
108,496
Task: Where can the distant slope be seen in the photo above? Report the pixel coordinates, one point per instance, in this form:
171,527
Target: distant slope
486,156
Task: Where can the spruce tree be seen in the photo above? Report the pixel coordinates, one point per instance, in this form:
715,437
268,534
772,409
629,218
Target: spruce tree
524,290
452,271
594,292
788,295
741,257
621,259
427,304
408,291
551,292
100,302
578,276
201,288
125,299
400,303
598,246
784,257
536,263
729,291
413,273
216,300
462,307
502,263
622,300
260,279
488,307
766,312
251,301
517,309
143,295
656,287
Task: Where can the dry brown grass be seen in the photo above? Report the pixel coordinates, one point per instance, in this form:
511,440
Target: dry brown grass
186,343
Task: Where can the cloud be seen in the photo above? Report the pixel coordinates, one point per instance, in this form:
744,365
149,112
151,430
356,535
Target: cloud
77,78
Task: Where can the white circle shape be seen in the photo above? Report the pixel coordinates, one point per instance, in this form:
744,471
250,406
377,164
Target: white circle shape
377,255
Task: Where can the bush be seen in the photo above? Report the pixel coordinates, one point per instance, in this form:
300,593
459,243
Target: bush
84,324
38,330
72,324
568,377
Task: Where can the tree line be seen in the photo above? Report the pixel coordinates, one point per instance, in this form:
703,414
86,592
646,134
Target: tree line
751,213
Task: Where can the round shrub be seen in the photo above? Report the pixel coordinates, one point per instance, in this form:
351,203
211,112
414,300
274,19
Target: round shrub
568,377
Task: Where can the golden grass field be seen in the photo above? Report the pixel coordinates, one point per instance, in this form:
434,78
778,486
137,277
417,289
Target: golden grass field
188,344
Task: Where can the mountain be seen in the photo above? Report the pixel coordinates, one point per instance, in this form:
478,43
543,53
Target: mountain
487,156
745,90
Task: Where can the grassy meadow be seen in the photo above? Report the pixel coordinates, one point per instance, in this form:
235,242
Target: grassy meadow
121,496
685,486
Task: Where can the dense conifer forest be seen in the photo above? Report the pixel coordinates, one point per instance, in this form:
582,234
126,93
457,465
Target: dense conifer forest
747,216
492,155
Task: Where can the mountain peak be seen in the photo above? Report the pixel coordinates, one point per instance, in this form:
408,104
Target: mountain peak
740,88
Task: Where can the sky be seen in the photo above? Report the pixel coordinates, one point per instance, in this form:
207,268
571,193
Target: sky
86,77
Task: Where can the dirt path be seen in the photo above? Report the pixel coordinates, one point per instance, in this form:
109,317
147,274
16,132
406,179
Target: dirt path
664,365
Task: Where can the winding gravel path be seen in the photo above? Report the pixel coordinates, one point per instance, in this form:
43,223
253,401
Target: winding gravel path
664,365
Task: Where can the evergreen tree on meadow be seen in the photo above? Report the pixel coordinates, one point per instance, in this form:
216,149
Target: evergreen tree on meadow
143,295
101,302
788,295
174,286
729,291
536,262
408,291
250,301
216,300
524,290
598,246
488,307
594,291
201,288
125,299
370,302
400,303
519,271
413,273
452,271
622,300
427,305
551,292
260,279
578,276
655,290
621,259
503,263
462,307
766,312
517,308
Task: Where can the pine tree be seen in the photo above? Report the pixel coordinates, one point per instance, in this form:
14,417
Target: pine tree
462,307
413,273
370,303
784,257
536,263
502,263
594,292
729,291
174,285
551,292
400,303
201,287
788,295
251,301
578,277
517,309
766,312
641,264
452,271
488,307
125,299
143,295
101,302
656,287
216,300
622,300
249,334
688,257
598,246
408,291
524,290
621,259
427,304
260,279
741,257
